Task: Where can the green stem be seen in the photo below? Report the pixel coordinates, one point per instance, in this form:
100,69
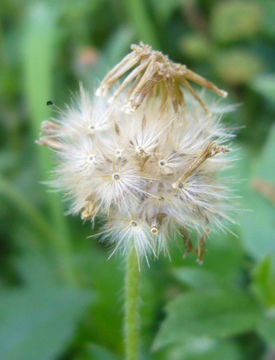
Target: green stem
131,306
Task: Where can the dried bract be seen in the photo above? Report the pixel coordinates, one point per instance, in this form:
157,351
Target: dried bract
152,73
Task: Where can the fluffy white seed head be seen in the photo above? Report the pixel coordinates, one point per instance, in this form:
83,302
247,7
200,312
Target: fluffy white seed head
151,173
147,173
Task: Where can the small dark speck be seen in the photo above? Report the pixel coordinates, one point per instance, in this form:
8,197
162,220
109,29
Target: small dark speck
49,102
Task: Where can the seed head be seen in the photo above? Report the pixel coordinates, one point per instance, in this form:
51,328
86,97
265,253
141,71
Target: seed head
151,173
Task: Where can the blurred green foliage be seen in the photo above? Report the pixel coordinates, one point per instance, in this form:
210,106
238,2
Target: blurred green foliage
59,296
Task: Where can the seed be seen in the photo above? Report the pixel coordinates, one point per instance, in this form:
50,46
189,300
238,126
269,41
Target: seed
116,176
91,158
154,230
177,185
162,163
118,153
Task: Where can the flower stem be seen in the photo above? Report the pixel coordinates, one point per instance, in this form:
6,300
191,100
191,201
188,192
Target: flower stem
131,306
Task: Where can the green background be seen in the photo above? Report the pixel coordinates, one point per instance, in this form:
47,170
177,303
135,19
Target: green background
59,296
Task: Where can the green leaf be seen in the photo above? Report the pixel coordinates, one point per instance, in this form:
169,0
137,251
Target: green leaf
264,282
36,270
256,218
39,48
39,324
106,279
266,328
8,160
257,224
266,168
265,85
224,255
205,349
268,15
198,278
213,313
99,353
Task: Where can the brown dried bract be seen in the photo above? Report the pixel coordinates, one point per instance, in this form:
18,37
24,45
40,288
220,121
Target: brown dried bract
200,250
152,73
187,242
211,150
50,130
89,211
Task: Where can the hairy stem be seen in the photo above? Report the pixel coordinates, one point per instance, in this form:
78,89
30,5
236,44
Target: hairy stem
131,306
